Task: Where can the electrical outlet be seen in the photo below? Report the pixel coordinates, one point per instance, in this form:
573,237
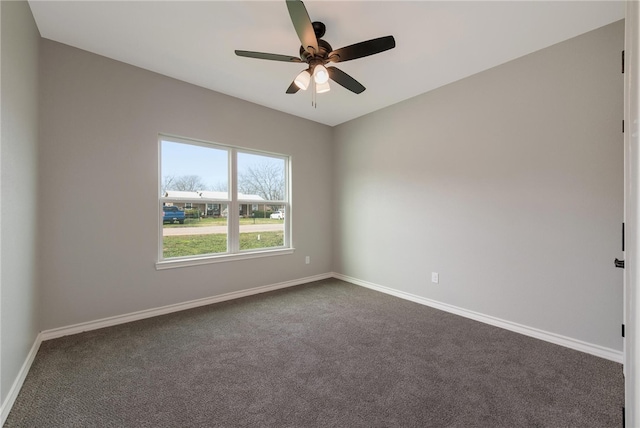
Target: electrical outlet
307,260
435,278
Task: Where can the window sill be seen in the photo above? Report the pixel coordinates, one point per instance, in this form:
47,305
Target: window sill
209,259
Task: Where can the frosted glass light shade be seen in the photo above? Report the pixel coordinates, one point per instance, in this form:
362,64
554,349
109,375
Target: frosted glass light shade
322,87
320,74
302,80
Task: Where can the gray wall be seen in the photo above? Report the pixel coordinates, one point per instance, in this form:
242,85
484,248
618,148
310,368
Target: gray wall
508,183
100,121
19,292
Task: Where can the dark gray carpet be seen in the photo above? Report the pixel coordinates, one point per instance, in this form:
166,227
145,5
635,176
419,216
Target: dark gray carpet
326,354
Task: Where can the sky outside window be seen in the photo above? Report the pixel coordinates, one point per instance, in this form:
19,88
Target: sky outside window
211,166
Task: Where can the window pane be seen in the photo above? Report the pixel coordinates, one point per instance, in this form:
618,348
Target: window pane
261,177
189,169
185,234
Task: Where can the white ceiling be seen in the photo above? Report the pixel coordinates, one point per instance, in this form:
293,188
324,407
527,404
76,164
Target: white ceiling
436,42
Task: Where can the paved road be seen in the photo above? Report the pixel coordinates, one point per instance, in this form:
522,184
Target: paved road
177,231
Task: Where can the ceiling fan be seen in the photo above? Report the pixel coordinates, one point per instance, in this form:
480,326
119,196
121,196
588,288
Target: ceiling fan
317,53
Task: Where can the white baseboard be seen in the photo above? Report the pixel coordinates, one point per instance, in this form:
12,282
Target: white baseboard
578,345
17,384
149,313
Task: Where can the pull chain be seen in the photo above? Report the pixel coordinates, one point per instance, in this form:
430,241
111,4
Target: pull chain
314,102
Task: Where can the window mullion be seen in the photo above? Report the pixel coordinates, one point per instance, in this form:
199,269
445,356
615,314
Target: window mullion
233,219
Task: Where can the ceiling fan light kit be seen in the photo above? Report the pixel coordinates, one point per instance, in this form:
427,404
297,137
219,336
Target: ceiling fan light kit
320,74
321,88
317,53
303,79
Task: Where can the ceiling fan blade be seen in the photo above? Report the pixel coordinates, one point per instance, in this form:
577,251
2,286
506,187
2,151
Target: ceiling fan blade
269,56
302,24
343,79
293,88
362,49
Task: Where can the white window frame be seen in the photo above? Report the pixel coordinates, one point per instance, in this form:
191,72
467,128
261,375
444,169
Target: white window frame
233,205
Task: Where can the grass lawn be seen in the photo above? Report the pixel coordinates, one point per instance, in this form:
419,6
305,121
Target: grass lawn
195,245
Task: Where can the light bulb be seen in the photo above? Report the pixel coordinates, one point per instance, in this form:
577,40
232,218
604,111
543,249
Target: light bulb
322,87
302,80
320,74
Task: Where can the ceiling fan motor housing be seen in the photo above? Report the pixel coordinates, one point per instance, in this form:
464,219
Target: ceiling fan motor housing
320,57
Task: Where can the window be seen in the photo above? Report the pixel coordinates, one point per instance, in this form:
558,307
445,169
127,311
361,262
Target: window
213,210
206,182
